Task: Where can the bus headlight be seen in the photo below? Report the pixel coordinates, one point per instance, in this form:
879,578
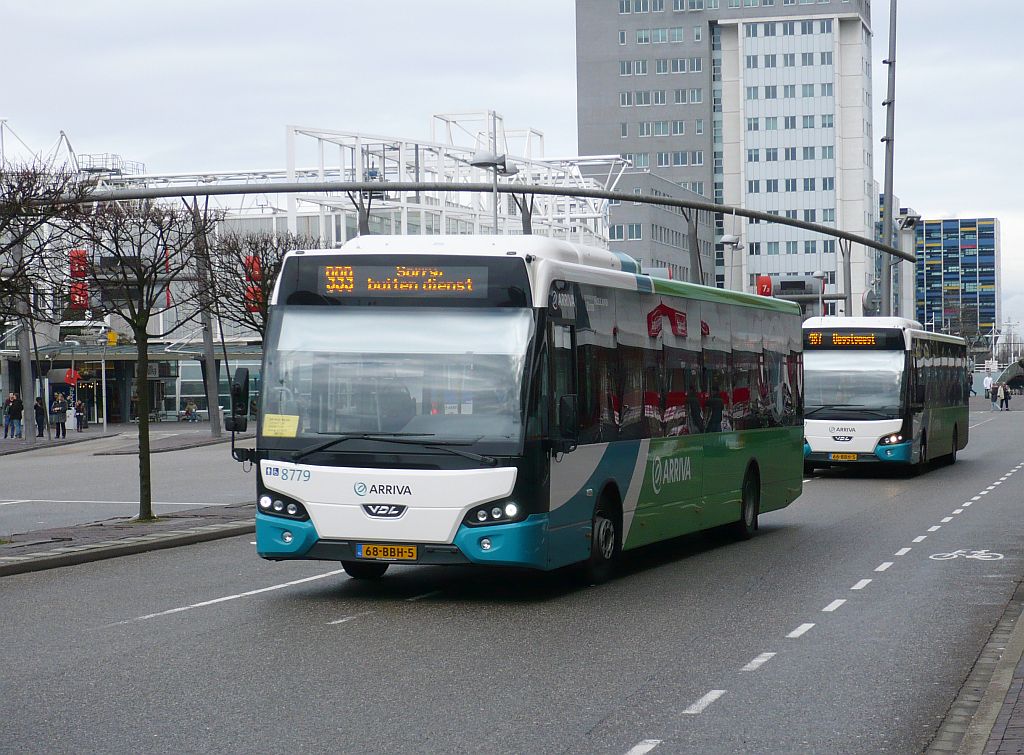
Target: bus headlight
494,513
274,504
889,440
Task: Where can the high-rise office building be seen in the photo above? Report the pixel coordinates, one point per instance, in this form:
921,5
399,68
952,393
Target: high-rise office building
958,282
764,104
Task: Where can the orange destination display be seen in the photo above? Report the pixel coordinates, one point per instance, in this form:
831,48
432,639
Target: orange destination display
427,282
853,339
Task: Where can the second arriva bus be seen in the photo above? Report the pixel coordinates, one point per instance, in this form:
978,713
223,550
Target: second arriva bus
513,401
882,390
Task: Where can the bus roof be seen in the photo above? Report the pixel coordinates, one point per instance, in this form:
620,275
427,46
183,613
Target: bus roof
557,259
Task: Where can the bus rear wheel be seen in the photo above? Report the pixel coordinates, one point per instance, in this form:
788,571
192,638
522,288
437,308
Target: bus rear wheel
605,543
750,504
922,458
951,459
364,569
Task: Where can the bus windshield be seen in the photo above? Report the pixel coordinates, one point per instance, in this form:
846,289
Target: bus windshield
863,384
440,374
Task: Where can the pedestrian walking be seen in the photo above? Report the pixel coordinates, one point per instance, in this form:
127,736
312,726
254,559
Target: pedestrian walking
7,415
993,394
987,382
59,416
1004,397
40,411
16,412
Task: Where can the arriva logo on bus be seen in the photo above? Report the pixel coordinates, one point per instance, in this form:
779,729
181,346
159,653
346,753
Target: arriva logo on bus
669,471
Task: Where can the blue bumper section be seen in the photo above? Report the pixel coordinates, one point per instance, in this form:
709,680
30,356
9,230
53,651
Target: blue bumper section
271,544
520,544
900,452
807,449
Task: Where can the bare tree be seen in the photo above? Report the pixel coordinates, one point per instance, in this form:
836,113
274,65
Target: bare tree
245,267
140,263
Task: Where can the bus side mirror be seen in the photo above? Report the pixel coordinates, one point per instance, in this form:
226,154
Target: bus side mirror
239,419
568,424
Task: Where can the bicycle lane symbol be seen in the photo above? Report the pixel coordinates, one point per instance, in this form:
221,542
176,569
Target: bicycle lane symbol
981,555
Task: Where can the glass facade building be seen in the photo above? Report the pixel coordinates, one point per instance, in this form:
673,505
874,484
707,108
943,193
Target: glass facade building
958,286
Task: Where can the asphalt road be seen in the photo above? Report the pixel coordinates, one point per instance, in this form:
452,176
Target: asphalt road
833,630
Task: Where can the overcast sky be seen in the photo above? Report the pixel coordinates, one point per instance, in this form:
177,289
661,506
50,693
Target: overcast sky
196,85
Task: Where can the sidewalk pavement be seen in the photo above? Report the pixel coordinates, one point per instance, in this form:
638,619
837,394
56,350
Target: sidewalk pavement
987,717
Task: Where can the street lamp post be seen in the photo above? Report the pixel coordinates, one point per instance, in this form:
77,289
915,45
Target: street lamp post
821,277
501,166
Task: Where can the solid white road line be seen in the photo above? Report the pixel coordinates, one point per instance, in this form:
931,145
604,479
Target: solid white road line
424,595
346,619
704,702
903,551
883,566
11,503
832,606
861,585
758,662
644,747
920,538
226,598
799,631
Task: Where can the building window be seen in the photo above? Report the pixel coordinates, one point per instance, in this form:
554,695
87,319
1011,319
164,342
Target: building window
624,6
771,154
809,184
625,99
661,128
679,159
773,248
791,214
679,65
790,152
661,66
642,160
625,68
771,185
645,128
751,93
659,96
635,232
828,215
828,183
696,65
696,96
660,36
678,128
657,6
789,122
826,90
807,90
617,232
681,97
623,130
749,30
622,37
698,33
810,216
808,153
769,29
828,153
752,124
642,97
826,25
807,58
808,121
640,67
789,91
641,6
663,160
643,36
810,247
771,92
753,187
789,59
753,155
698,126
751,61
754,248
791,247
771,123
826,58
827,121
828,246
788,27
807,27
790,184
697,157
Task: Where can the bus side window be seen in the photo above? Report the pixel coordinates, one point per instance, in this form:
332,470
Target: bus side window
563,367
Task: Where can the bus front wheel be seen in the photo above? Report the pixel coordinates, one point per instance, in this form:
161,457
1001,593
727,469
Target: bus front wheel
750,503
364,569
605,542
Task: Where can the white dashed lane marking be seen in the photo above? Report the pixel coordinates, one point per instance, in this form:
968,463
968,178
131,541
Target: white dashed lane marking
861,585
883,566
920,538
644,747
704,702
832,606
758,662
800,631
903,551
936,528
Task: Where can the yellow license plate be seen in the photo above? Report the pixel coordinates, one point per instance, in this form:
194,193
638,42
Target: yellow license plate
842,457
386,552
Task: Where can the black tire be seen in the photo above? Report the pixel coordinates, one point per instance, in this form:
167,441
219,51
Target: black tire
951,459
364,569
922,458
809,468
605,542
750,506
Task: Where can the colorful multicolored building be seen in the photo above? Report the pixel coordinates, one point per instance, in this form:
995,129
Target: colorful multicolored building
958,282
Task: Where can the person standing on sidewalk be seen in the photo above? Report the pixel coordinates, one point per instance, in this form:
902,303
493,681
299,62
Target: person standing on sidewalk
1004,397
59,416
16,411
79,415
993,394
7,414
987,382
40,412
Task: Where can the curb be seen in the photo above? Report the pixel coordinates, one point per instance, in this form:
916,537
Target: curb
970,720
181,447
53,444
82,554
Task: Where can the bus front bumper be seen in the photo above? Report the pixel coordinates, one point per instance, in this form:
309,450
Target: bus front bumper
516,544
896,452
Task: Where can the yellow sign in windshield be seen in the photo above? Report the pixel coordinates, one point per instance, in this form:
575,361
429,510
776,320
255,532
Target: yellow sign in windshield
280,425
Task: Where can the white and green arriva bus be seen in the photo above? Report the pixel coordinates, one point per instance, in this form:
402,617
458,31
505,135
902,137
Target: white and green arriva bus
882,390
514,401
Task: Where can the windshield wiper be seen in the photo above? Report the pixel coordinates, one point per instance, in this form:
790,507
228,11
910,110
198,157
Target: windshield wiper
405,438
342,437
857,407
